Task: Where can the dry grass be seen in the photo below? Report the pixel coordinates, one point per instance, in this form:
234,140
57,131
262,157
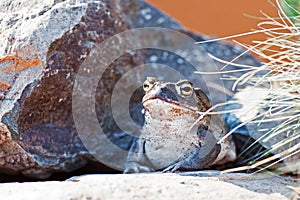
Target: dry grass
280,56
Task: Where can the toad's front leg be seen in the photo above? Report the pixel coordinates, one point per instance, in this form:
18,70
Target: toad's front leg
136,160
199,160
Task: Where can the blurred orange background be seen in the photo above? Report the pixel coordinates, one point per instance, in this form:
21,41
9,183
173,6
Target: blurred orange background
218,18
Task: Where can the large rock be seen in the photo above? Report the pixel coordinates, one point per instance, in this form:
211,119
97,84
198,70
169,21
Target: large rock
42,45
38,135
156,186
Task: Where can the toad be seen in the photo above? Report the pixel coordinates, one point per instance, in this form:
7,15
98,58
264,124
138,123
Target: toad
180,133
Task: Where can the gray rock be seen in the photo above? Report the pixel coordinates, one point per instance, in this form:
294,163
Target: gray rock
156,186
36,111
43,44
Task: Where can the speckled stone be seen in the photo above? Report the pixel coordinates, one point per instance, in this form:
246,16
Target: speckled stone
155,186
38,136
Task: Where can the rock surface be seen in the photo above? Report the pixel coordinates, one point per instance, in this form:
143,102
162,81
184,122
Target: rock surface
49,40
156,186
42,45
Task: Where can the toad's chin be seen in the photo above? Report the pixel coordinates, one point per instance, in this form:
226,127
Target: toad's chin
159,102
160,109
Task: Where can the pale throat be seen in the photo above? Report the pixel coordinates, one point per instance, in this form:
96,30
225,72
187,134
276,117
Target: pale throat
166,120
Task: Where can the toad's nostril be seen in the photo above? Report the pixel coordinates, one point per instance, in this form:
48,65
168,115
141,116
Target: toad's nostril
168,94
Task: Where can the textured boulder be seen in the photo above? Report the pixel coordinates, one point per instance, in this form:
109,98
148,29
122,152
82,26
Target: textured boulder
157,186
38,135
42,45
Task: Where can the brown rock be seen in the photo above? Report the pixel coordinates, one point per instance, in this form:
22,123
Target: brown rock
43,44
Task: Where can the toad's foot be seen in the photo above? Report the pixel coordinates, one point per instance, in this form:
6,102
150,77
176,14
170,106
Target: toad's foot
182,165
196,161
133,167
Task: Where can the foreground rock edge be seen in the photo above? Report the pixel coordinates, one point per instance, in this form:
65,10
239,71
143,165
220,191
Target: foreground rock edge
155,186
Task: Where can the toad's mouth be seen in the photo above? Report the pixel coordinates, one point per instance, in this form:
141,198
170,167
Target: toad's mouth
170,102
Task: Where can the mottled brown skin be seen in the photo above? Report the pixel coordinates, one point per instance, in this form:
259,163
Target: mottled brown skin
178,134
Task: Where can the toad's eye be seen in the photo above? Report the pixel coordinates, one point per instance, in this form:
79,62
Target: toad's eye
148,84
146,87
185,88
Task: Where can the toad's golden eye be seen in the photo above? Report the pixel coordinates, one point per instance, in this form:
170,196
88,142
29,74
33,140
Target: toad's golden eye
146,87
185,88
148,84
